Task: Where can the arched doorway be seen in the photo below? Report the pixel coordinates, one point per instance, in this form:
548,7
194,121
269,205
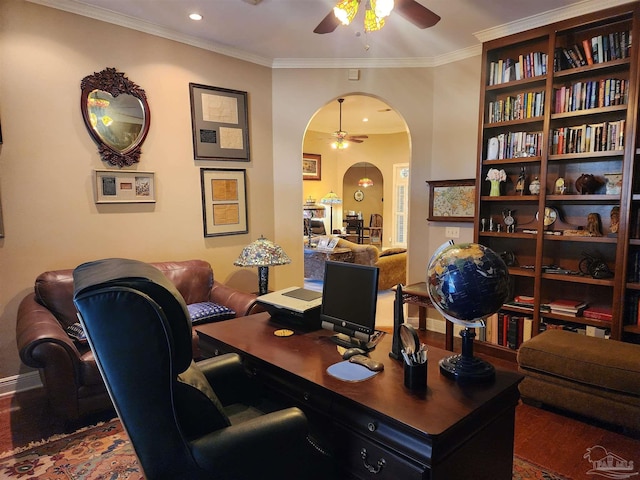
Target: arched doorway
385,146
363,199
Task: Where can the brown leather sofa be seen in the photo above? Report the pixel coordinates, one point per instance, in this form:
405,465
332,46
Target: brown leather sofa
67,368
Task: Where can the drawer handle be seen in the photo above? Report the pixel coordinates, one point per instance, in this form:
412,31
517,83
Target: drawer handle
371,468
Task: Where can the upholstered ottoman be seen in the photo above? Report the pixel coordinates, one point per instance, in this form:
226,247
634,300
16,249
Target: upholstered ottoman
590,376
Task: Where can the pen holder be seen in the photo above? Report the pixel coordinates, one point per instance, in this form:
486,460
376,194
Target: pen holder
415,376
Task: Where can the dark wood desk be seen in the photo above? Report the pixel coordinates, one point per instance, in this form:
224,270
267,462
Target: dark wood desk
450,432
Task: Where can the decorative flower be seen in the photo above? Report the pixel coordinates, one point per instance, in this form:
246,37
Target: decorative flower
496,175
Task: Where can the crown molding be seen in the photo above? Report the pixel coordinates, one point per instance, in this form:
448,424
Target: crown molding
418,62
132,23
546,18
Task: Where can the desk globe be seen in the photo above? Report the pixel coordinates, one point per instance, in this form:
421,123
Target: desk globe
466,284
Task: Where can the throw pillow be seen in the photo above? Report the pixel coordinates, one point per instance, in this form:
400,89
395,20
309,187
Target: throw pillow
392,251
206,312
76,332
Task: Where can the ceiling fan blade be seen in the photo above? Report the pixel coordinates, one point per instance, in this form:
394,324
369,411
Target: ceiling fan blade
417,14
358,136
354,140
328,24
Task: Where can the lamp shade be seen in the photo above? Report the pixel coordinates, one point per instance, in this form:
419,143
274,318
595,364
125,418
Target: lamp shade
262,253
331,198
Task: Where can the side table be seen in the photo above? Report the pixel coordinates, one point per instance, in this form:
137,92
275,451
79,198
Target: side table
417,294
314,260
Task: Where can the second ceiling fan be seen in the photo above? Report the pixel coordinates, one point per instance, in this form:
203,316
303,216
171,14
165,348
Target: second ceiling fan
342,138
345,10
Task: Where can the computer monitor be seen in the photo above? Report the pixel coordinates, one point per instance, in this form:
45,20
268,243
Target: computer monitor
349,298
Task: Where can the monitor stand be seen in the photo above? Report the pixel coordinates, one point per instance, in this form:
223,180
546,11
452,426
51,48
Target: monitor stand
351,342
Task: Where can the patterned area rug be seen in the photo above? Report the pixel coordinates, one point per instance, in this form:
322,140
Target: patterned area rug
103,452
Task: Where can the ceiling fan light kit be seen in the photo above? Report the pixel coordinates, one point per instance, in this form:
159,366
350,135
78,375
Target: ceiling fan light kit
375,13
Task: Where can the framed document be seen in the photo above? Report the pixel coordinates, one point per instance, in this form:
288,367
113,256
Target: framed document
220,123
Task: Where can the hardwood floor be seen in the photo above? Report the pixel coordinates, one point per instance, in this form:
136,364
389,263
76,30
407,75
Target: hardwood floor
550,439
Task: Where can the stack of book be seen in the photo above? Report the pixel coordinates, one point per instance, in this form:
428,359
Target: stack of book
572,308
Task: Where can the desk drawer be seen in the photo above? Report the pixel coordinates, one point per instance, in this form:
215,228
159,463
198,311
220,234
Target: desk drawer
366,459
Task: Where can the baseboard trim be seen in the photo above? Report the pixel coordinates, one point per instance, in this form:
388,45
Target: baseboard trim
19,383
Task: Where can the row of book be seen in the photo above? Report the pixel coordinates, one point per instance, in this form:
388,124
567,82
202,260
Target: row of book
591,94
598,49
597,137
633,259
509,329
564,306
532,64
517,107
632,309
588,330
515,144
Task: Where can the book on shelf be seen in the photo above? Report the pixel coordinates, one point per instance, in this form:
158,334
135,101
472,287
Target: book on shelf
519,329
586,46
592,331
568,307
598,312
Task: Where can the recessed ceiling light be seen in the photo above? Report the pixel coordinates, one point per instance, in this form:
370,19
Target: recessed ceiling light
365,119
195,16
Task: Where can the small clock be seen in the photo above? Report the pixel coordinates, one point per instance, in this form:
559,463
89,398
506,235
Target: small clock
550,216
358,195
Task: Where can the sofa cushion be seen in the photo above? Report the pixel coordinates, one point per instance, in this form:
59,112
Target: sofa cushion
606,364
392,251
207,312
76,332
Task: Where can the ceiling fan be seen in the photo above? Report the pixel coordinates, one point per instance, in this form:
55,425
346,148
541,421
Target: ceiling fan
416,13
342,138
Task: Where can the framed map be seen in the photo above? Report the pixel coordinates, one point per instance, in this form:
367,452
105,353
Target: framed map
452,200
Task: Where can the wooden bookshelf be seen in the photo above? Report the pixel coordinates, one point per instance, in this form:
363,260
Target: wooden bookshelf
588,123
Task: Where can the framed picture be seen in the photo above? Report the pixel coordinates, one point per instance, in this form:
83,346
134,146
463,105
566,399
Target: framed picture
124,187
220,123
452,200
224,201
311,166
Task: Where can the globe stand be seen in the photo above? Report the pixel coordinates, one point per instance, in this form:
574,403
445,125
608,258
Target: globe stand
465,367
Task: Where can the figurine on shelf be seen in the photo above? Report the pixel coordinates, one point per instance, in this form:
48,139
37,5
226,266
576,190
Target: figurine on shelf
520,183
587,184
534,187
594,225
615,219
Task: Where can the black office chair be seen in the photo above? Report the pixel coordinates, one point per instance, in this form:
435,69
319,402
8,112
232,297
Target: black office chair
139,329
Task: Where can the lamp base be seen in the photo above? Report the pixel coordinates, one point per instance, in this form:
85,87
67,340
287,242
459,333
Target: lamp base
465,367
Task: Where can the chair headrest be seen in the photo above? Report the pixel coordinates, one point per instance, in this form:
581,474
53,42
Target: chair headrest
145,278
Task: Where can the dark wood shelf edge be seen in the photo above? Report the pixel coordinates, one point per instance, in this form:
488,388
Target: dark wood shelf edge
498,351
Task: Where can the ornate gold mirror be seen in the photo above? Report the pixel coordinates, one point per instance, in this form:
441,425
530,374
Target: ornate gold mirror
116,113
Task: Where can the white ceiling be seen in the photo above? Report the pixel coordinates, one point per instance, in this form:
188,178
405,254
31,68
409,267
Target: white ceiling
279,34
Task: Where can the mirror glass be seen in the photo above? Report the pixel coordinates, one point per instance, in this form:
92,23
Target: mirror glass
118,121
116,114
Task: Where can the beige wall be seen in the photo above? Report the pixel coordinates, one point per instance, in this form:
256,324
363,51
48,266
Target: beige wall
48,158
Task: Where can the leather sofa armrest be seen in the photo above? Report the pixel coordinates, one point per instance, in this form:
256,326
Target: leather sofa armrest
249,449
240,302
36,325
